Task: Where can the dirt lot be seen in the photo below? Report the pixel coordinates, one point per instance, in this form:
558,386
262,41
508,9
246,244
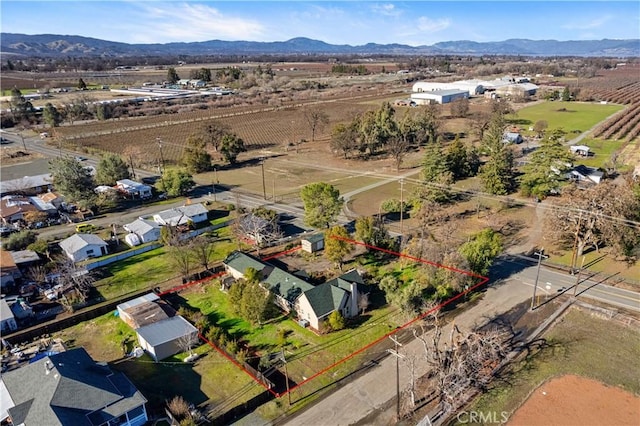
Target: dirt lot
574,400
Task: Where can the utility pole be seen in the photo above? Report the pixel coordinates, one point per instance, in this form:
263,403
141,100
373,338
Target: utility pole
133,171
574,254
397,354
401,211
575,288
264,188
535,286
286,375
159,142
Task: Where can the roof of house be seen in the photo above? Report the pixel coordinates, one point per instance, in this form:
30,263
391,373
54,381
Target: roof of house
24,256
166,330
588,171
286,285
42,205
242,261
5,311
6,261
26,182
141,226
12,204
68,388
77,242
49,197
193,209
149,297
324,298
131,184
314,238
441,92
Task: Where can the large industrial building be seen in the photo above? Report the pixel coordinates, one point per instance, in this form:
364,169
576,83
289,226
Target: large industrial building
424,92
439,96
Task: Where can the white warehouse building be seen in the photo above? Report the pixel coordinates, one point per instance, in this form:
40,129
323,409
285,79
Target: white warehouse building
439,96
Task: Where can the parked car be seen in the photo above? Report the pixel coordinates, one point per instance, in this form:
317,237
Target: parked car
5,231
85,228
44,135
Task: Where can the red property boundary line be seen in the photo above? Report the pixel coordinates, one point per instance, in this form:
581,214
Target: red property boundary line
483,280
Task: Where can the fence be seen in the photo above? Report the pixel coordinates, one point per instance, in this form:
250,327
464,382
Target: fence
120,256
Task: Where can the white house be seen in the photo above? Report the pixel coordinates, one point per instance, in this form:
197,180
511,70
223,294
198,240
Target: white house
8,323
79,247
146,230
163,338
195,213
134,189
582,150
585,174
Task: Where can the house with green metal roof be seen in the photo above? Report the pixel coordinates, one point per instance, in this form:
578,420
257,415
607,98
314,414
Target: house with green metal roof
312,304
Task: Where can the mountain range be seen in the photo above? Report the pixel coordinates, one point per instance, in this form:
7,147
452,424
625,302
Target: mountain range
52,45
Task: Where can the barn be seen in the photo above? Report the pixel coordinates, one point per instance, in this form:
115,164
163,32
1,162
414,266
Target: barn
439,96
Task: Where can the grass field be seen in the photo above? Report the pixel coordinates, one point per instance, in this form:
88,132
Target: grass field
580,344
570,116
602,149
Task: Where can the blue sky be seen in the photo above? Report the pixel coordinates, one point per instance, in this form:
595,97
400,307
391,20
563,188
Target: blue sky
347,22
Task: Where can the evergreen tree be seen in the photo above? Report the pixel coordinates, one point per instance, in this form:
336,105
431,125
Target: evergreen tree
336,249
176,182
322,204
547,167
21,109
195,157
111,168
172,75
497,174
72,179
435,174
51,115
231,146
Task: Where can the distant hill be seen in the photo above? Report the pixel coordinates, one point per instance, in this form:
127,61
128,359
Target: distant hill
52,45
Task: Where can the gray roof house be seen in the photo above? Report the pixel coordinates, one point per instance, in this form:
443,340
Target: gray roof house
134,189
79,247
586,174
146,230
195,213
162,339
69,388
8,321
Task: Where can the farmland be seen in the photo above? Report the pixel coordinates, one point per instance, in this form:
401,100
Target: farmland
619,85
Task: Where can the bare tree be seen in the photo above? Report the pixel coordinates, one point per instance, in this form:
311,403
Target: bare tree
397,148
182,257
187,342
202,247
464,363
363,302
74,278
257,230
316,119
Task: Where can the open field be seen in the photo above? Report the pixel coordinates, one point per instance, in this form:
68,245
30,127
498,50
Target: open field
573,400
570,116
580,344
602,150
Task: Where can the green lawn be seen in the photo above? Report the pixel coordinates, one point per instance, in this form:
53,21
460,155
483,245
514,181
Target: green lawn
602,150
135,273
570,116
581,344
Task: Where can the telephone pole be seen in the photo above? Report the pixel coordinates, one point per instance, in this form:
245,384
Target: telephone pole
397,354
535,286
401,211
264,188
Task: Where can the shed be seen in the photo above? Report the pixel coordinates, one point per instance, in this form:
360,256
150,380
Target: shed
162,339
145,230
512,137
582,150
313,243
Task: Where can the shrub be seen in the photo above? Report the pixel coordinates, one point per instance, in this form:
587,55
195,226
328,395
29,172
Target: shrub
20,240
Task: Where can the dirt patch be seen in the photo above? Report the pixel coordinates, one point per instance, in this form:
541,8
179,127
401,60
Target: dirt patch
574,400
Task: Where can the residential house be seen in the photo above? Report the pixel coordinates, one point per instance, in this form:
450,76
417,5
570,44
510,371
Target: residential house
27,185
145,230
43,206
25,258
512,137
13,207
134,189
160,331
52,198
8,323
312,304
70,389
9,271
582,150
79,247
313,243
585,174
163,338
194,213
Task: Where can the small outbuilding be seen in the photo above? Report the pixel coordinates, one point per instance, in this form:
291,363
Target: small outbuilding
8,321
145,230
582,150
313,243
512,137
164,338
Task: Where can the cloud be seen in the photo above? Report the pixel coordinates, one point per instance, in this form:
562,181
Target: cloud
387,9
588,25
429,25
164,22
